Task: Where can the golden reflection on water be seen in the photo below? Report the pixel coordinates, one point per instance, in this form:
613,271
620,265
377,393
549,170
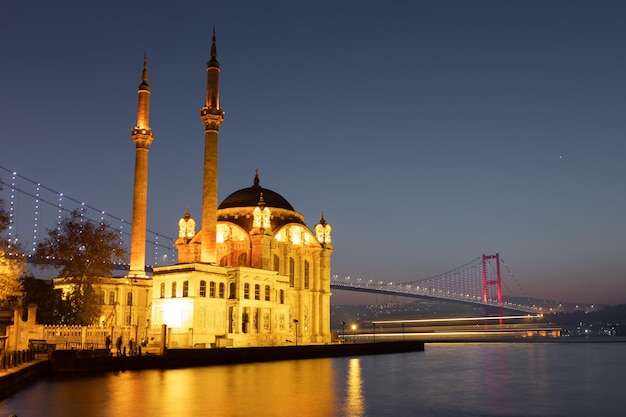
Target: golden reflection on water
264,389
273,389
354,406
305,388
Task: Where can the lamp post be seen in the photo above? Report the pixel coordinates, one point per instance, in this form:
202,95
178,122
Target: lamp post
343,326
130,301
353,335
296,321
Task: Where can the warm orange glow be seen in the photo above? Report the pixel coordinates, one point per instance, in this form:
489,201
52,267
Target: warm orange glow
176,314
354,392
296,235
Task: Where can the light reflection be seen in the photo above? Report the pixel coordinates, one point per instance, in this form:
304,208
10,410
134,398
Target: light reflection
355,404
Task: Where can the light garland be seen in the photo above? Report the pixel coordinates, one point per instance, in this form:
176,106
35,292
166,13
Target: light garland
36,219
60,203
11,211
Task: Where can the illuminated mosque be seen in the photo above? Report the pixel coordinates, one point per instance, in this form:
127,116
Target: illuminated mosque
253,275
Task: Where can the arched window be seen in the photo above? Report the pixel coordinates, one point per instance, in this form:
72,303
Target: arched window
282,296
162,290
231,291
267,293
101,297
306,275
129,298
224,261
111,297
276,263
241,261
202,288
257,292
212,289
185,288
292,273
246,291
221,293
174,289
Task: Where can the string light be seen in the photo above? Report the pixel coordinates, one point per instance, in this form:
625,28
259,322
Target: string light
156,250
121,231
11,211
60,212
60,203
36,219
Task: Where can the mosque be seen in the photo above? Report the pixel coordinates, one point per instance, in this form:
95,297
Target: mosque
253,274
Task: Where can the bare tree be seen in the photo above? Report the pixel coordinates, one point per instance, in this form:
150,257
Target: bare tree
85,251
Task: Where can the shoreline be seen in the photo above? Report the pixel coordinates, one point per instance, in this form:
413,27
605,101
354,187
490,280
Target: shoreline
82,362
13,380
75,361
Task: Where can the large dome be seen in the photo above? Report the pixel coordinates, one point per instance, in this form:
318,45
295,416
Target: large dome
250,197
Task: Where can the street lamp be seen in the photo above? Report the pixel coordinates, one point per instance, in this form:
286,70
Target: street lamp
343,326
132,301
296,321
353,336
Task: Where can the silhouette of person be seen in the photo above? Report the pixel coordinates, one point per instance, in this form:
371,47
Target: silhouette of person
118,345
107,343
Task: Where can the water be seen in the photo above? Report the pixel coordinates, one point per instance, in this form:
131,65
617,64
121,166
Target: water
460,379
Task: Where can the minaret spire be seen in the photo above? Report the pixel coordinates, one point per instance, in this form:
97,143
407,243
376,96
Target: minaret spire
144,74
214,48
141,135
212,117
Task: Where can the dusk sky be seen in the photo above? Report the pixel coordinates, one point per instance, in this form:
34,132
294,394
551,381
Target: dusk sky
427,132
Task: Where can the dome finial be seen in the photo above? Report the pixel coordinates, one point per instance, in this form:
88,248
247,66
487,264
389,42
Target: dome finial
322,220
256,178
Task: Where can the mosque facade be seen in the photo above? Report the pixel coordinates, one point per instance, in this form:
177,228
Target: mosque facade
253,274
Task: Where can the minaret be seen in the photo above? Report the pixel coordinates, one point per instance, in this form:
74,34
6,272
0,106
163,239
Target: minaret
212,117
142,136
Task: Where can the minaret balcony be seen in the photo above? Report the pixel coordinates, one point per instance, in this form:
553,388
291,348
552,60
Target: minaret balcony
142,137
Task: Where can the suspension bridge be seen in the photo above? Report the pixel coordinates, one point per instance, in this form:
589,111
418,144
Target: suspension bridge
30,205
478,283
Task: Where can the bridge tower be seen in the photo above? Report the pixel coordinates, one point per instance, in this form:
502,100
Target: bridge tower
141,135
212,117
487,281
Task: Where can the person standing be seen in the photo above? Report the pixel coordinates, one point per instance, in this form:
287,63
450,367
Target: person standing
118,345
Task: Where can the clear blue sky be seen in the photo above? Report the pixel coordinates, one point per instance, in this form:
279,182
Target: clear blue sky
428,132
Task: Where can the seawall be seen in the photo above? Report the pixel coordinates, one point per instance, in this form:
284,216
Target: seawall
15,379
75,361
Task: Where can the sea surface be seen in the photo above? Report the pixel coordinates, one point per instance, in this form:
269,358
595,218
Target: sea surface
447,379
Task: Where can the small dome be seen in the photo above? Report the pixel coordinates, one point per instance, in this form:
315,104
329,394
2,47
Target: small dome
250,197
